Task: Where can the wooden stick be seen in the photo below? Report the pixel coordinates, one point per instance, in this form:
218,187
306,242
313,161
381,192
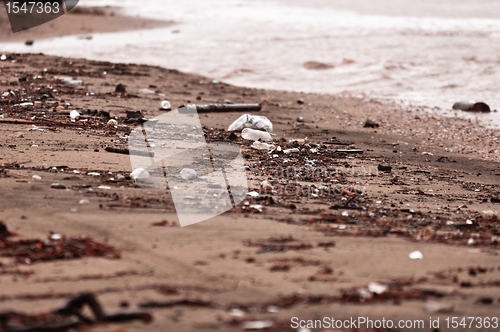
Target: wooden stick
128,151
216,108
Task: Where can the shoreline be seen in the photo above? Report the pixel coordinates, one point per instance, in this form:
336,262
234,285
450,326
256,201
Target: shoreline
299,257
429,200
80,21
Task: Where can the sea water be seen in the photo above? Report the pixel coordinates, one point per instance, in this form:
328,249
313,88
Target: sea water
427,52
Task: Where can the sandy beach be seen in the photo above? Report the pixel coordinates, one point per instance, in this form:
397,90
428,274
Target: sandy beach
337,245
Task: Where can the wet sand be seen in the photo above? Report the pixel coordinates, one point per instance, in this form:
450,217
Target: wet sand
302,256
80,21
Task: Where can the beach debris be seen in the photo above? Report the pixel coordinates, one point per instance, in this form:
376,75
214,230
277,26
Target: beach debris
74,115
384,168
377,288
128,151
277,244
83,201
188,174
370,124
255,135
120,88
253,194
104,187
36,177
217,108
57,186
69,316
70,81
416,255
434,307
300,119
112,123
165,105
3,57
479,107
262,146
134,114
354,151
139,173
234,312
266,186
471,241
24,104
34,250
146,91
257,207
163,223
257,325
94,174
292,150
251,121
485,300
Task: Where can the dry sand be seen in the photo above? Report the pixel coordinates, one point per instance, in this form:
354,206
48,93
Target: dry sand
298,258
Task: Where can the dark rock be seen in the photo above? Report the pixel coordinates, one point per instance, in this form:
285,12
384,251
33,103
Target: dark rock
495,199
300,119
120,88
485,300
371,124
479,107
135,114
300,101
29,42
4,232
384,168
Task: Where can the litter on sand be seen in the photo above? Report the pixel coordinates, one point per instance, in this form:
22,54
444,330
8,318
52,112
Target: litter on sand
251,121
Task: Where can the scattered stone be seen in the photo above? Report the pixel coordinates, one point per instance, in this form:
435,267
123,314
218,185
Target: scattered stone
300,119
134,114
485,300
57,186
371,124
120,88
479,107
495,199
384,168
300,101
29,42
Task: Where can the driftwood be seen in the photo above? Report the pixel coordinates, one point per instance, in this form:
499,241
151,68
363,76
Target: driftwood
217,108
132,152
41,122
68,316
